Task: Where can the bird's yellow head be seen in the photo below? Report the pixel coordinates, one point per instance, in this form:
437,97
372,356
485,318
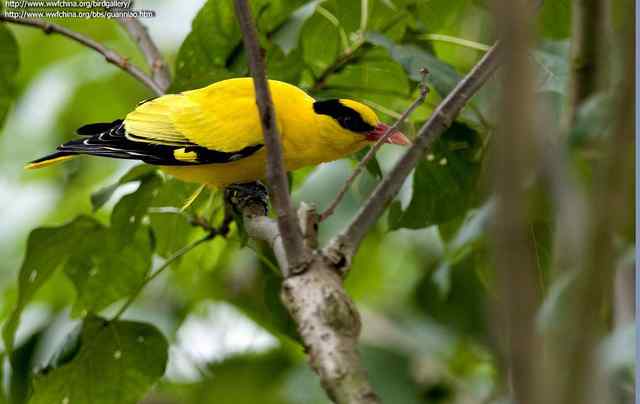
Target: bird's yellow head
356,122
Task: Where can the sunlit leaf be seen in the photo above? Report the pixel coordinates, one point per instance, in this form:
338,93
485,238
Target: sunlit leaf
117,362
320,43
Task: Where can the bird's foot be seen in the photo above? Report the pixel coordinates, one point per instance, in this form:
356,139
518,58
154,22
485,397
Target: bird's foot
252,195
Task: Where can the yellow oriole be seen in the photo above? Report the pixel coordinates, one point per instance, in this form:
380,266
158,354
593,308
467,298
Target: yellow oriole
213,135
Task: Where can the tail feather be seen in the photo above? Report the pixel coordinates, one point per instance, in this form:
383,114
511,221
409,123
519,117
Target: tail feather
51,159
111,140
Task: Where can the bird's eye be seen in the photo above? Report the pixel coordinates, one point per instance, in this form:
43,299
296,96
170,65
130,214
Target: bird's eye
345,121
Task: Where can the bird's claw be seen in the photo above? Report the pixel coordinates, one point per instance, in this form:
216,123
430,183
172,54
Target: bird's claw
241,196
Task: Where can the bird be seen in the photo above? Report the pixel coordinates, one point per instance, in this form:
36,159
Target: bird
213,135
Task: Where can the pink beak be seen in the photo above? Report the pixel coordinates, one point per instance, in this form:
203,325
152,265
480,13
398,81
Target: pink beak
396,137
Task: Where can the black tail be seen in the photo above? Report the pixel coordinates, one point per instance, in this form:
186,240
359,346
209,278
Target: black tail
110,140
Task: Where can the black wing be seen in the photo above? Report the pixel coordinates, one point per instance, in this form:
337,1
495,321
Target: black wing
109,140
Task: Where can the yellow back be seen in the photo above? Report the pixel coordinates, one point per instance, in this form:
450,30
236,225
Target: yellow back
224,116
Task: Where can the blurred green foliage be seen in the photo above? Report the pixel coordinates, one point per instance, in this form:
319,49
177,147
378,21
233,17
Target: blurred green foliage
422,277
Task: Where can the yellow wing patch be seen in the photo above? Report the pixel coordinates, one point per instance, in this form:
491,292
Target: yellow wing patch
183,155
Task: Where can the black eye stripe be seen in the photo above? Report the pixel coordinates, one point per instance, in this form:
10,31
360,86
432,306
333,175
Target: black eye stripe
346,117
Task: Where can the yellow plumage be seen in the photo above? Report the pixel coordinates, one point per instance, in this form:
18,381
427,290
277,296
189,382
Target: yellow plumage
213,135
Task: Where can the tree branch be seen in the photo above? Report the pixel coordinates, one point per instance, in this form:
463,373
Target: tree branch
513,159
160,72
611,214
424,90
109,55
329,325
327,319
312,291
342,248
587,52
276,172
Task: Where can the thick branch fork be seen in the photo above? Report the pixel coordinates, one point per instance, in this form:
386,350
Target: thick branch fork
327,319
329,325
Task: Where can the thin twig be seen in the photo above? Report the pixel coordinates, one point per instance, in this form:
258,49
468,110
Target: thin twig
342,248
342,60
160,72
213,232
424,90
110,55
276,173
177,255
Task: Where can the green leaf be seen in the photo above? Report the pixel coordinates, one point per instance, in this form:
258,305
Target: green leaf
442,76
8,69
112,263
443,183
107,269
203,56
593,117
288,35
102,196
320,43
464,307
242,379
48,248
373,167
552,67
390,373
555,19
129,211
374,78
440,15
213,48
466,239
283,67
170,225
117,363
